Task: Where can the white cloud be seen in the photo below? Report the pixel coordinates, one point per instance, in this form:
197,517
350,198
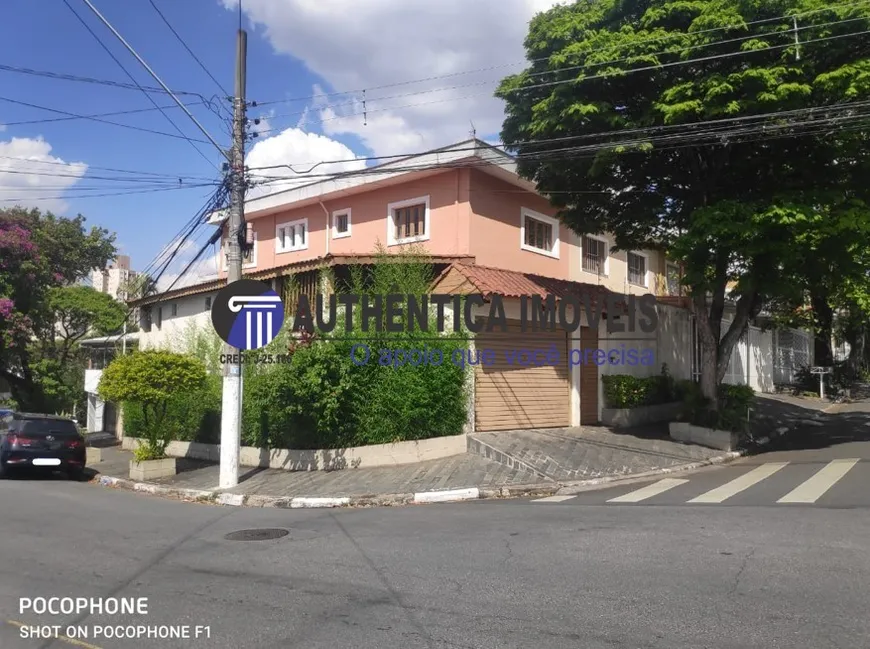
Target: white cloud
29,175
353,45
201,271
301,150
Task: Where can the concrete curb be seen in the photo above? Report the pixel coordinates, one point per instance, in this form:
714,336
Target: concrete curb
537,490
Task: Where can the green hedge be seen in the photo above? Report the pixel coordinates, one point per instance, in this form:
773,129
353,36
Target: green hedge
323,400
190,417
624,391
735,401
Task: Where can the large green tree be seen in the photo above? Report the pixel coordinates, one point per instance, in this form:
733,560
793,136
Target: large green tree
39,254
651,120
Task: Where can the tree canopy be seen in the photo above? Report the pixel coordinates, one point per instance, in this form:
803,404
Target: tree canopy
701,128
41,255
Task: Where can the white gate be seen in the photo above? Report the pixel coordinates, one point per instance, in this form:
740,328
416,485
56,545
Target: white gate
793,350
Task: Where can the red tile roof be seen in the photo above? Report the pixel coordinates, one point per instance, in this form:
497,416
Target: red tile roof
508,283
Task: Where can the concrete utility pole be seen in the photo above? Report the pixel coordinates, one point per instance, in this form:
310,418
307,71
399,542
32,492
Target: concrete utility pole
232,381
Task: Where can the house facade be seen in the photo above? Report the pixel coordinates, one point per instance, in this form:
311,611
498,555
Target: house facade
487,232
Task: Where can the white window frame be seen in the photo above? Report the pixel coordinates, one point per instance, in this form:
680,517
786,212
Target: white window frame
391,225
279,243
543,218
335,233
668,266
646,270
606,254
250,264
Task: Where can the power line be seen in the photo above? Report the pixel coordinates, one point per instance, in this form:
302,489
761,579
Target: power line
155,77
570,153
633,43
133,79
214,200
587,78
189,51
111,114
102,121
505,146
57,198
112,169
561,69
103,82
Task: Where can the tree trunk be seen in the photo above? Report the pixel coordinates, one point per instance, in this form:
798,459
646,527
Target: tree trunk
823,315
716,349
856,336
709,353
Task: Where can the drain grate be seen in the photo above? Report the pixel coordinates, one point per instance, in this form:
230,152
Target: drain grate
256,535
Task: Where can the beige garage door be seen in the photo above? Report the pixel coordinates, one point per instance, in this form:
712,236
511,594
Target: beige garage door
511,396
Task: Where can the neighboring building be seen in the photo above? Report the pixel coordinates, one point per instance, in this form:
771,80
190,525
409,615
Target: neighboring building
487,231
103,416
114,279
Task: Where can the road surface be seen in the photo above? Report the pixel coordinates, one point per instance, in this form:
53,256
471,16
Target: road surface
659,573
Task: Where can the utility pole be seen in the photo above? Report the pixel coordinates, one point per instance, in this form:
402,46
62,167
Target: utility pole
232,379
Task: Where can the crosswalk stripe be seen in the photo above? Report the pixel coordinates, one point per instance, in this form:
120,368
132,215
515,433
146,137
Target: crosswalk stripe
815,487
553,499
723,493
649,491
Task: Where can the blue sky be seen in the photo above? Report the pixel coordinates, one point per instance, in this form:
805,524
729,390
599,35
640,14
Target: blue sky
296,49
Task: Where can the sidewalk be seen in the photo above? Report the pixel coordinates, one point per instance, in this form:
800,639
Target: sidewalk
497,465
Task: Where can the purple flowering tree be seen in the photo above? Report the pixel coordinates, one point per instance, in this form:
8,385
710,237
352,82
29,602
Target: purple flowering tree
39,254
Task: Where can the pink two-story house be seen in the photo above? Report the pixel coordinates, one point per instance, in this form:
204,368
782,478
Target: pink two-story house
487,231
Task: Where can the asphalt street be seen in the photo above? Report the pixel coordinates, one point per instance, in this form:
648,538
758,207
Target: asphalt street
477,575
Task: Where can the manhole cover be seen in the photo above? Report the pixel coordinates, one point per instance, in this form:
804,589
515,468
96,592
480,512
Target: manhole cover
256,535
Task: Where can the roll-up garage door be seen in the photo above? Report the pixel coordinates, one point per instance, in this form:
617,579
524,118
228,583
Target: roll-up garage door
509,396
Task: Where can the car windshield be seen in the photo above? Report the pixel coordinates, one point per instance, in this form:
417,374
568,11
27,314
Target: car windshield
48,427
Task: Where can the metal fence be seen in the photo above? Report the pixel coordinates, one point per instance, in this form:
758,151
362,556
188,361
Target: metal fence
793,349
787,349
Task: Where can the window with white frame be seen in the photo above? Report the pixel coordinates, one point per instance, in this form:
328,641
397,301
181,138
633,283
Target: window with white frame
249,256
673,279
291,236
594,255
637,267
341,224
539,233
408,221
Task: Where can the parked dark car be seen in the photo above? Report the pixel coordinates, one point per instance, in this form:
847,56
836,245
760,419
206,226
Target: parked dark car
30,440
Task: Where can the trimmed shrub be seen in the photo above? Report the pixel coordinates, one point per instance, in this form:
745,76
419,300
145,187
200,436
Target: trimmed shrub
732,415
193,416
625,391
322,399
153,379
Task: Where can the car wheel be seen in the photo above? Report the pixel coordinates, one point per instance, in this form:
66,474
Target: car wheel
4,470
77,474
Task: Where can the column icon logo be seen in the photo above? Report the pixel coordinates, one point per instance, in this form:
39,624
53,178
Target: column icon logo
247,314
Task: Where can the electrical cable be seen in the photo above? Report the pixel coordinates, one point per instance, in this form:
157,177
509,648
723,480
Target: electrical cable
112,114
154,76
633,43
104,82
156,174
727,120
189,51
586,78
129,193
102,121
565,69
133,79
213,202
570,153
